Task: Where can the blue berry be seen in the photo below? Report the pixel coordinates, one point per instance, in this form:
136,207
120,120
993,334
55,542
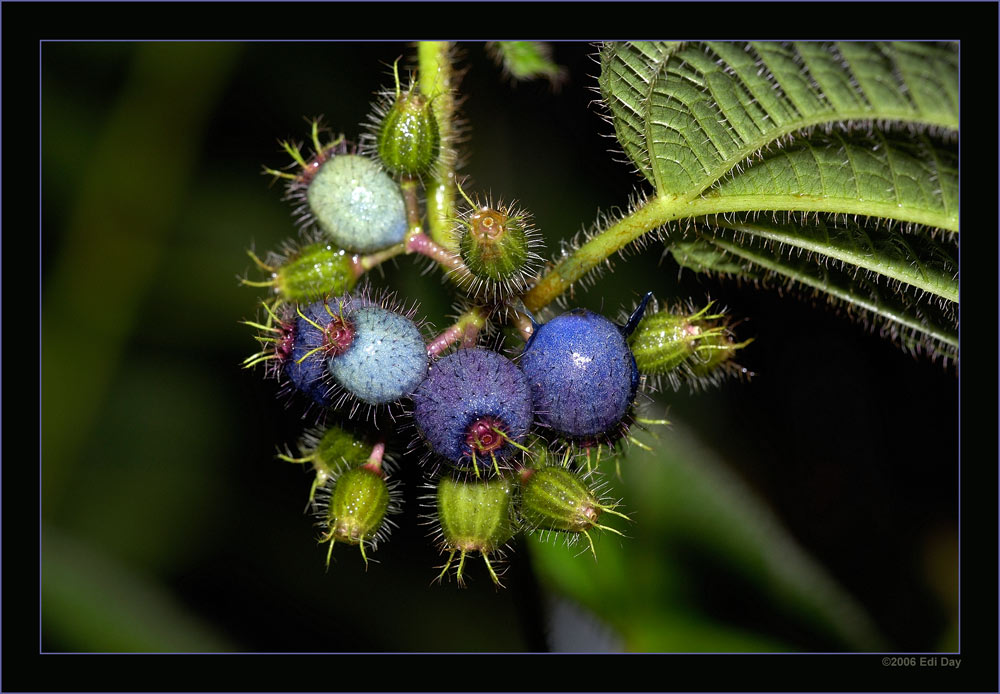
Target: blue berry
582,373
357,204
386,360
305,369
473,403
357,347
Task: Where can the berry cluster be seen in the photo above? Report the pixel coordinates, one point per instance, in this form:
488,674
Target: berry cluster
507,438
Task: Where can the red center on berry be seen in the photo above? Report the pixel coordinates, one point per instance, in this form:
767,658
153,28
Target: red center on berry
488,224
485,435
286,342
338,336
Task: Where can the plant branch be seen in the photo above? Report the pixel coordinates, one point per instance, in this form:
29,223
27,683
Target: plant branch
436,77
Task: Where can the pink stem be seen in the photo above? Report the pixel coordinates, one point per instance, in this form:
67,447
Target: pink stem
375,459
421,243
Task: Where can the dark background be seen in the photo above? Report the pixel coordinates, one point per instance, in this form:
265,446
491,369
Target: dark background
167,494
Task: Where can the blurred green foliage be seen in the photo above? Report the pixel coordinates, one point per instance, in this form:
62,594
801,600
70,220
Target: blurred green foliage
166,516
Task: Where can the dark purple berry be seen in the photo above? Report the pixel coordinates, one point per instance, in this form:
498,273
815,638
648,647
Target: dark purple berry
317,336
582,373
473,404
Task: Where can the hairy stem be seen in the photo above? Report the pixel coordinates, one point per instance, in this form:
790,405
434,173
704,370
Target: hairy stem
421,243
436,82
466,328
652,215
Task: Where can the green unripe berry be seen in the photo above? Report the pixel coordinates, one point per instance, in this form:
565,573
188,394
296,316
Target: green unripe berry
681,345
497,243
408,138
475,517
557,498
329,451
494,246
339,448
663,341
357,508
308,273
318,270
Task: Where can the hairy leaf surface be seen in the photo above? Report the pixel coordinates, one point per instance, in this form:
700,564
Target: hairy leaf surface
687,115
730,134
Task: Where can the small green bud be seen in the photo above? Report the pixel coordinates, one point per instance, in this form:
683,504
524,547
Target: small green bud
330,451
356,510
496,243
474,516
557,498
408,138
320,269
308,273
681,345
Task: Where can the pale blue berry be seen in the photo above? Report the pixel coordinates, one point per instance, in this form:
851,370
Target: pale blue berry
357,204
386,360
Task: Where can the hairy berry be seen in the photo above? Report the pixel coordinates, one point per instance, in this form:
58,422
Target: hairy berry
474,516
473,407
307,273
407,137
330,451
496,243
356,204
555,498
362,348
582,373
386,359
354,509
683,345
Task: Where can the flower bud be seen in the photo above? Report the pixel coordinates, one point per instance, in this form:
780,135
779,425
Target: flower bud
474,517
407,137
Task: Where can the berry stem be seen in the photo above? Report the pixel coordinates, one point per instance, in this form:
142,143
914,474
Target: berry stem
374,462
421,243
465,329
408,184
364,263
436,81
653,214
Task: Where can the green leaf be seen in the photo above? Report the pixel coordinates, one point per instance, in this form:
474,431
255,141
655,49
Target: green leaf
829,132
527,60
687,116
913,318
918,260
